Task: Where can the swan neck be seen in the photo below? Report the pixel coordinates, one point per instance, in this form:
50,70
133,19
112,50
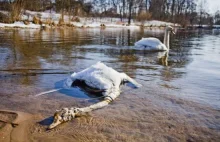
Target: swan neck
95,106
166,40
111,95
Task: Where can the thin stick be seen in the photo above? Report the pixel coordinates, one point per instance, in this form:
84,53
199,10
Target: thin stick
47,92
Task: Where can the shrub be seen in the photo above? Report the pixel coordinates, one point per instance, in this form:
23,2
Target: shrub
4,18
48,22
61,22
26,22
75,19
143,16
36,20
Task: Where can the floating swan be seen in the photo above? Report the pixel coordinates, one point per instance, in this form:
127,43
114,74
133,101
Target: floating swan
98,77
154,44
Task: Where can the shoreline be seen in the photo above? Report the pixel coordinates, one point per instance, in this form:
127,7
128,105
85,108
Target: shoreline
89,24
22,25
149,118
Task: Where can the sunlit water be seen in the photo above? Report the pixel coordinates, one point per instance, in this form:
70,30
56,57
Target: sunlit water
41,60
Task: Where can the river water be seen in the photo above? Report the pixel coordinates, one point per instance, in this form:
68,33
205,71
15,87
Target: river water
33,61
192,68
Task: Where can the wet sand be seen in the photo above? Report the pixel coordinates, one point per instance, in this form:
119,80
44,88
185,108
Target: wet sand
131,117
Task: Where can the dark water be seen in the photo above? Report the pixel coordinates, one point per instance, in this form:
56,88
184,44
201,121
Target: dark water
32,61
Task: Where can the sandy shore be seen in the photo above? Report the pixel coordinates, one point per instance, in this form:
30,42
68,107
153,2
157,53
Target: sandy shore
129,118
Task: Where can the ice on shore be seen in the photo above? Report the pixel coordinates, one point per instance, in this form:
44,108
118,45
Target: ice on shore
156,23
19,25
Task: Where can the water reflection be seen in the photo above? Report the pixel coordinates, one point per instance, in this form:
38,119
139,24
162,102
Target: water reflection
164,58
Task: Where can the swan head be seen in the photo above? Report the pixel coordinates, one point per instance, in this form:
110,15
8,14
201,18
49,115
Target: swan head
170,29
63,115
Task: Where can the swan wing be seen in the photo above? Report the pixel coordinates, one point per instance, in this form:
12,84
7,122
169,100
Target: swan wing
153,44
98,76
125,77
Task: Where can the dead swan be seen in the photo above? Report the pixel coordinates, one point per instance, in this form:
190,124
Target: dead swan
98,76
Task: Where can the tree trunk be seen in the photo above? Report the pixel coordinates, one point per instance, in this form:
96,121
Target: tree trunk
146,5
130,11
123,8
172,10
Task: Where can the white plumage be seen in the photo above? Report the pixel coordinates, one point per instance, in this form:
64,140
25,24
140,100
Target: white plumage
154,44
151,43
101,77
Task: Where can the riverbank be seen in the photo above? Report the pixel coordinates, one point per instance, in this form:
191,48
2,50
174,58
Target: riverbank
149,24
32,19
31,25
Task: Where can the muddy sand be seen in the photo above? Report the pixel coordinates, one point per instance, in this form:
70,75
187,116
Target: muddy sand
131,117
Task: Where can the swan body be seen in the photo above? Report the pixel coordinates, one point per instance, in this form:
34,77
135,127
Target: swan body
101,77
98,76
154,44
151,43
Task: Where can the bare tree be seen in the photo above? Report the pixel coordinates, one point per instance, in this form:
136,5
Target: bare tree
201,11
217,17
118,4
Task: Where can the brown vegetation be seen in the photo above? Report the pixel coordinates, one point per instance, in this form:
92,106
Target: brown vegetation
36,20
26,22
75,19
143,16
4,18
48,22
61,22
16,10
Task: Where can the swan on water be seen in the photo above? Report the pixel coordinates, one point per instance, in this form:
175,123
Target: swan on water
154,44
98,77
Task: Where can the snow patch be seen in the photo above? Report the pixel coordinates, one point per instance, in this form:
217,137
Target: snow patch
156,23
20,25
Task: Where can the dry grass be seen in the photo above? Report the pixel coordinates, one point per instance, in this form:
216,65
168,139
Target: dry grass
143,16
36,20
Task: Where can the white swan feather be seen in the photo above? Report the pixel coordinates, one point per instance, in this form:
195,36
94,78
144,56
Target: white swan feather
150,44
101,77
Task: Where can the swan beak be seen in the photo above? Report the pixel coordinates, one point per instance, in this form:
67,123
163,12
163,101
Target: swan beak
57,120
54,124
173,32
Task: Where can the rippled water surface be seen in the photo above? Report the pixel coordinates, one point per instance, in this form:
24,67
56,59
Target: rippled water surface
32,61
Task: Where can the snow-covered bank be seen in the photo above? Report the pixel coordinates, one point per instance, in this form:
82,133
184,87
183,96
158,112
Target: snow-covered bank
205,26
86,22
97,25
20,25
156,23
51,18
